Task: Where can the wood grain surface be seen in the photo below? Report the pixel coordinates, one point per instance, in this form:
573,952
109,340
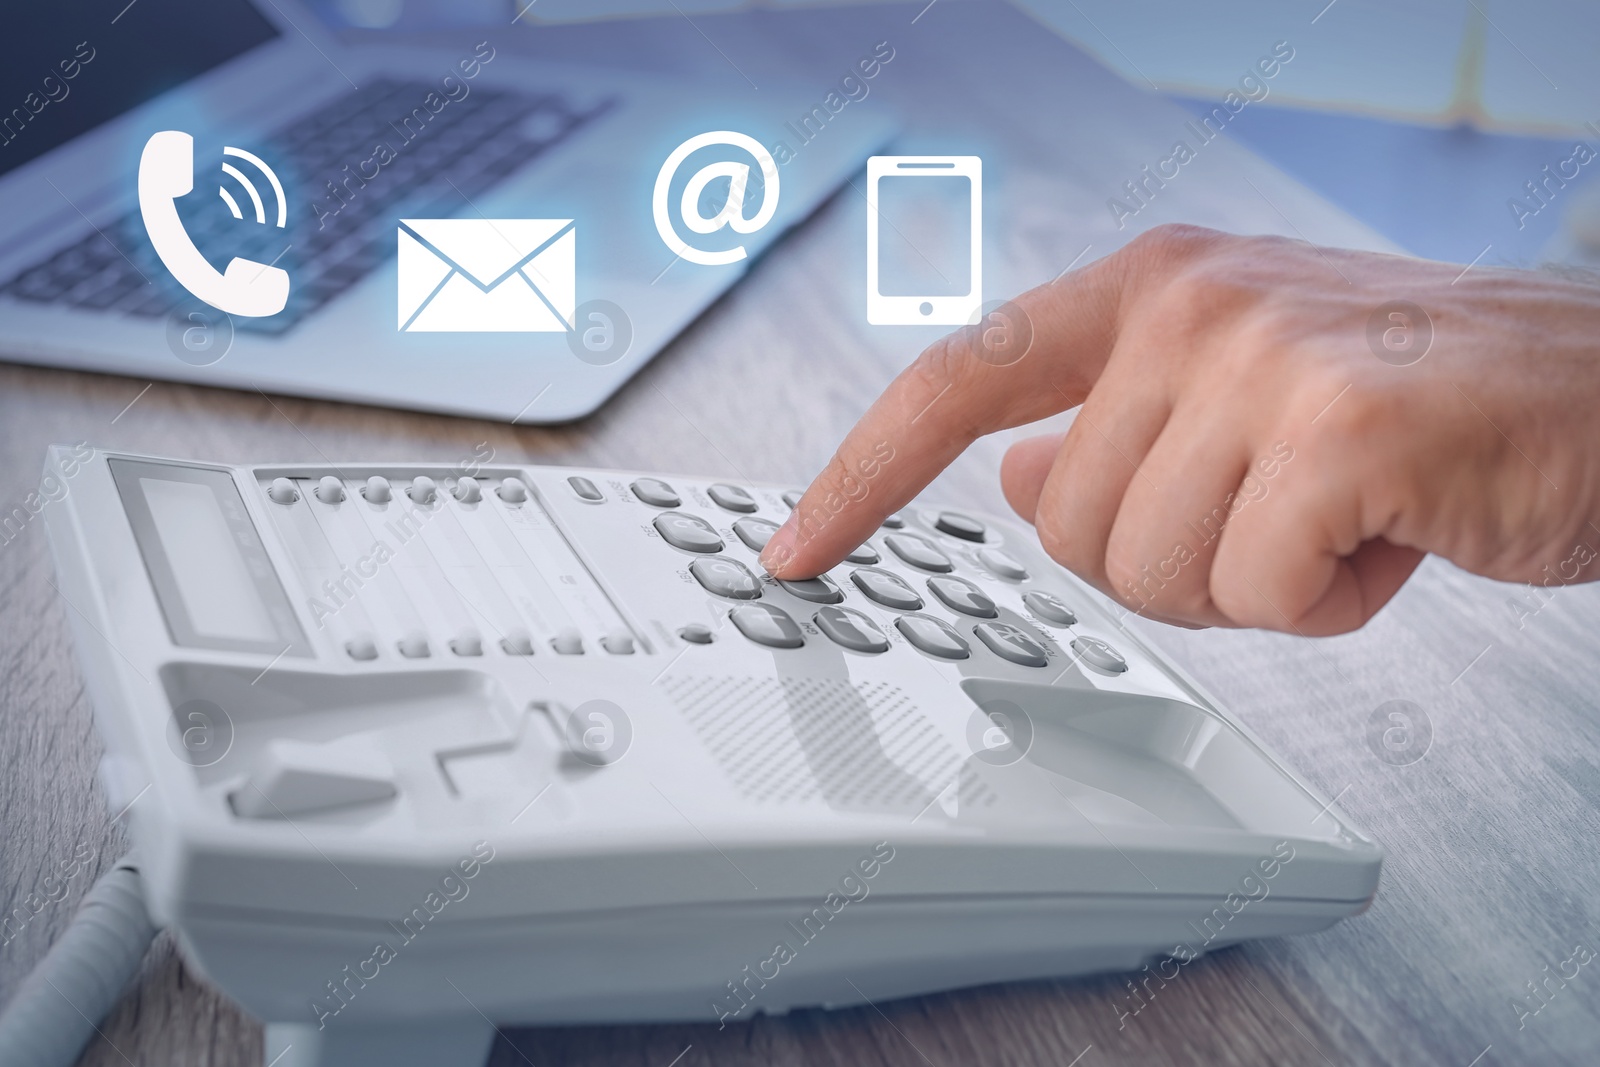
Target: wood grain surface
1491,832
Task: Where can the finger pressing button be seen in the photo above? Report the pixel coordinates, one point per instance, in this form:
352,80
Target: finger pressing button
726,577
767,625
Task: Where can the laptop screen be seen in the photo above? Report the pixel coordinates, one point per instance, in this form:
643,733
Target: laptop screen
69,66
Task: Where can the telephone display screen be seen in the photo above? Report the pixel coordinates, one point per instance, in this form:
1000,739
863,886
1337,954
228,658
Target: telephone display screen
924,234
212,576
66,66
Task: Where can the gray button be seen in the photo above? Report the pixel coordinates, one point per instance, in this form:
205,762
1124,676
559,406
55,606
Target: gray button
361,648
1049,607
895,521
517,643
377,489
852,629
1012,643
656,492
933,636
568,642
330,490
1002,563
513,491
958,525
864,554
767,625
696,633
726,577
755,532
688,532
732,497
467,643
587,490
423,489
1097,653
958,594
467,490
618,643
282,491
887,589
818,590
414,645
918,552
792,498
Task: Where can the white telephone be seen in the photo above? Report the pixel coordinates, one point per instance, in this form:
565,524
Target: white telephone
411,747
166,172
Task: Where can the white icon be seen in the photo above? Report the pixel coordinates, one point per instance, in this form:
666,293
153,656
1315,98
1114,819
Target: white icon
732,213
166,172
487,275
924,240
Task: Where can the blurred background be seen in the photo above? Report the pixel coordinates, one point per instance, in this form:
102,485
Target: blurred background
1425,119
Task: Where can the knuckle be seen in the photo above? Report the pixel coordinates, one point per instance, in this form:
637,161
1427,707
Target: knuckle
1173,241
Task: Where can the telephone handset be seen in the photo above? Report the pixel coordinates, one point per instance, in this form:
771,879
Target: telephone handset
166,172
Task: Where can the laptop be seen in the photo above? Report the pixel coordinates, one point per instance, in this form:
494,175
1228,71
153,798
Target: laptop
372,146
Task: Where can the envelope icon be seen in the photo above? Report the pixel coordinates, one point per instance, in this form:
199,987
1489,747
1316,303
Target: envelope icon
487,275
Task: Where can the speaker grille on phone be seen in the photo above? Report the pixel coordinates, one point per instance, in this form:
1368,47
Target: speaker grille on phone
862,745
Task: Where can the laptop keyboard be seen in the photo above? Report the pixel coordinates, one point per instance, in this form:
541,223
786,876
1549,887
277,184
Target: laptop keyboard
344,197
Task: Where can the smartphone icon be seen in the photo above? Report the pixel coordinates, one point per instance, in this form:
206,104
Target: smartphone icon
924,240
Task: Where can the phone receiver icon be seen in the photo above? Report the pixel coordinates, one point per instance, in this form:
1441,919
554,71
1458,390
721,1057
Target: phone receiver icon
166,172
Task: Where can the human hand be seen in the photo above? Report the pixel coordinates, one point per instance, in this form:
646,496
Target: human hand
1243,456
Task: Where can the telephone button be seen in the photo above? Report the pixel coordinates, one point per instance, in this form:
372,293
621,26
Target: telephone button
1003,563
887,589
414,645
958,594
361,648
330,490
517,643
767,625
933,636
1011,643
726,577
863,554
958,525
568,642
755,533
282,491
852,629
688,532
1097,653
918,552
731,498
656,493
618,643
376,491
582,487
423,489
818,590
467,490
1050,608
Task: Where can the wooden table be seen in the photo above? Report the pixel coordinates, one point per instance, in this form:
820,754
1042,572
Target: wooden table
1492,868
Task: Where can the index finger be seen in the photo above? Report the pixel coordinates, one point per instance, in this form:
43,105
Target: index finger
1027,360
